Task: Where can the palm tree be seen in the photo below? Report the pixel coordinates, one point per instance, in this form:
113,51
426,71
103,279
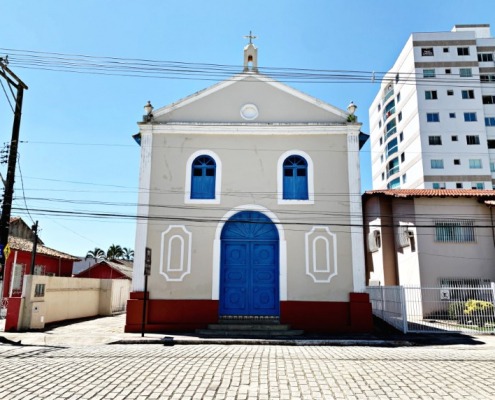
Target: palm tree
127,254
95,254
114,252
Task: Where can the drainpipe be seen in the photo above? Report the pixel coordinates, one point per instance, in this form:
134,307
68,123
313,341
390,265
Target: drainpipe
493,228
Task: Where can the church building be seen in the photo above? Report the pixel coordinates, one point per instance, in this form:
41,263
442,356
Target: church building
249,199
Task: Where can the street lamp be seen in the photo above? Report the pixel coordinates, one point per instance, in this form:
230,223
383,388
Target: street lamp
148,110
352,109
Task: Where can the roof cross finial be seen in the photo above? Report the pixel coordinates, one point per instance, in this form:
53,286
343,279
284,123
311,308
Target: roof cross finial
250,37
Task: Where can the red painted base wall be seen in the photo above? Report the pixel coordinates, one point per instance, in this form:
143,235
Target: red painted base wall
311,316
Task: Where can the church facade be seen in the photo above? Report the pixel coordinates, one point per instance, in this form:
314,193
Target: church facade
250,202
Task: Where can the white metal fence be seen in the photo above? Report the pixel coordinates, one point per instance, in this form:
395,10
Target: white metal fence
466,309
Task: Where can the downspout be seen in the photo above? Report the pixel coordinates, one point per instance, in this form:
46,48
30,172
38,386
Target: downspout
493,228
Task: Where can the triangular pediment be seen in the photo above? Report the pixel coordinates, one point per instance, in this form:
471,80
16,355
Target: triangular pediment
250,98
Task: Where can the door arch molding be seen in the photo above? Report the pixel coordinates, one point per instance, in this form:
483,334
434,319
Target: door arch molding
215,289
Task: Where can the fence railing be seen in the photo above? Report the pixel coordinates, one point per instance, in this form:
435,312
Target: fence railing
4,302
436,309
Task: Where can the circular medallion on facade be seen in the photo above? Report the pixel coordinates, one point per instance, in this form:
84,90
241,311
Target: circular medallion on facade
249,112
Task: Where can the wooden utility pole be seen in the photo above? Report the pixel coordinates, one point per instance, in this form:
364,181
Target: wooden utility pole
14,81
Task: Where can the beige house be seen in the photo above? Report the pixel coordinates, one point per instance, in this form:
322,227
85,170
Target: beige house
429,238
250,202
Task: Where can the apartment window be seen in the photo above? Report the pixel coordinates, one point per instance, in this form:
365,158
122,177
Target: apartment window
427,52
394,184
451,115
397,78
450,92
472,139
431,95
491,144
438,185
478,185
463,51
458,185
404,178
470,117
445,49
428,73
398,97
381,157
435,140
379,123
403,157
475,163
448,71
467,94
492,166
485,57
465,72
454,138
488,99
489,121
432,117
457,161
487,78
436,164
383,176
401,136
399,117
454,231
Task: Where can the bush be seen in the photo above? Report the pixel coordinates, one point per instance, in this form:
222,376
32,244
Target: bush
456,310
479,312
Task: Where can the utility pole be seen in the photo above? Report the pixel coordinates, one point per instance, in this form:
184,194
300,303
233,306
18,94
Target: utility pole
35,245
14,81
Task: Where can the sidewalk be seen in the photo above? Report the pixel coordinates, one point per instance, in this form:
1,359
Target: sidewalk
108,330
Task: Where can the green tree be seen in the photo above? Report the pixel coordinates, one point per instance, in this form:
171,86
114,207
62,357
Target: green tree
96,254
114,252
127,254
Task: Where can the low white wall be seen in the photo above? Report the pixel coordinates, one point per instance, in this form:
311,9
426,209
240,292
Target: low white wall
68,298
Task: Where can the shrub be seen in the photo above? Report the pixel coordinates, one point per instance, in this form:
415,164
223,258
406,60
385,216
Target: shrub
479,311
456,309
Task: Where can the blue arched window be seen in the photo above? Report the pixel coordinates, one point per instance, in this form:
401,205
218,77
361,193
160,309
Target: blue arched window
295,178
203,178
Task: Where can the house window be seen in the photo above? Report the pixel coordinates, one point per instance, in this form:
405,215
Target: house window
436,164
478,185
438,185
445,49
465,72
457,161
39,290
485,57
463,51
454,231
427,52
431,95
472,139
489,99
434,140
454,138
448,71
432,117
470,117
451,115
203,178
295,178
475,163
489,121
467,94
450,92
429,73
458,185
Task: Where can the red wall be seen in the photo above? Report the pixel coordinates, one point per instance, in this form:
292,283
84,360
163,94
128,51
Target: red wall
53,265
101,271
311,316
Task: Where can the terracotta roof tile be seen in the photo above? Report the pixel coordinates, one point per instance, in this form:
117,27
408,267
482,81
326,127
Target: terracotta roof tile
17,243
432,193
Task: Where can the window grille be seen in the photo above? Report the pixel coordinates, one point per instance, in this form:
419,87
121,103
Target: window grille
454,231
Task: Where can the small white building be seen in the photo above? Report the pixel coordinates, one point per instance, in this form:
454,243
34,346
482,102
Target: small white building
429,238
432,122
250,202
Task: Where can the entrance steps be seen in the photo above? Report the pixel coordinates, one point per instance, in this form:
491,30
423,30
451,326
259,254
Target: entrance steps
252,327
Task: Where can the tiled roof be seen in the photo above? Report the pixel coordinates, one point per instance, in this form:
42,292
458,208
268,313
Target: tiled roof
122,266
432,193
17,243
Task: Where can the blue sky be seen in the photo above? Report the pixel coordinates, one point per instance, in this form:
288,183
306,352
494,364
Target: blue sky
77,152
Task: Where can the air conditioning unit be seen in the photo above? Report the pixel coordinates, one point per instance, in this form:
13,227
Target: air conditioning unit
374,241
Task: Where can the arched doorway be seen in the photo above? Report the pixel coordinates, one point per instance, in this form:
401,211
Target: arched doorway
249,268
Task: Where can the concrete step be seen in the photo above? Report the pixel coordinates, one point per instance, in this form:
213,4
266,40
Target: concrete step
248,327
249,320
249,333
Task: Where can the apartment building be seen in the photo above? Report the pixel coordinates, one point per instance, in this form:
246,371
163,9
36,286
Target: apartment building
432,122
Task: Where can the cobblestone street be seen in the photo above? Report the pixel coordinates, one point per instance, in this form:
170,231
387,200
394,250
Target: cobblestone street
246,372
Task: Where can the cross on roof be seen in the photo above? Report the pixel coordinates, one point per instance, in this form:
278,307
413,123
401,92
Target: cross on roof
250,37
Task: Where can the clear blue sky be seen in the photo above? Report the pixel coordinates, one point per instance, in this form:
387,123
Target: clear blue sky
76,128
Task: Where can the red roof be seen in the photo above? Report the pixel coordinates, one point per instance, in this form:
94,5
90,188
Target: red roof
432,193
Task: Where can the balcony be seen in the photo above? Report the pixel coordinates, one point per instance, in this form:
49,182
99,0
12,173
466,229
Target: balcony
388,113
392,171
388,95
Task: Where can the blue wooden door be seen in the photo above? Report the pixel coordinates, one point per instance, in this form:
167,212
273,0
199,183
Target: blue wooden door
249,279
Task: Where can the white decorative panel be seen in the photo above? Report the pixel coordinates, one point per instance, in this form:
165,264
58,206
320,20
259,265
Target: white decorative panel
175,254
321,254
